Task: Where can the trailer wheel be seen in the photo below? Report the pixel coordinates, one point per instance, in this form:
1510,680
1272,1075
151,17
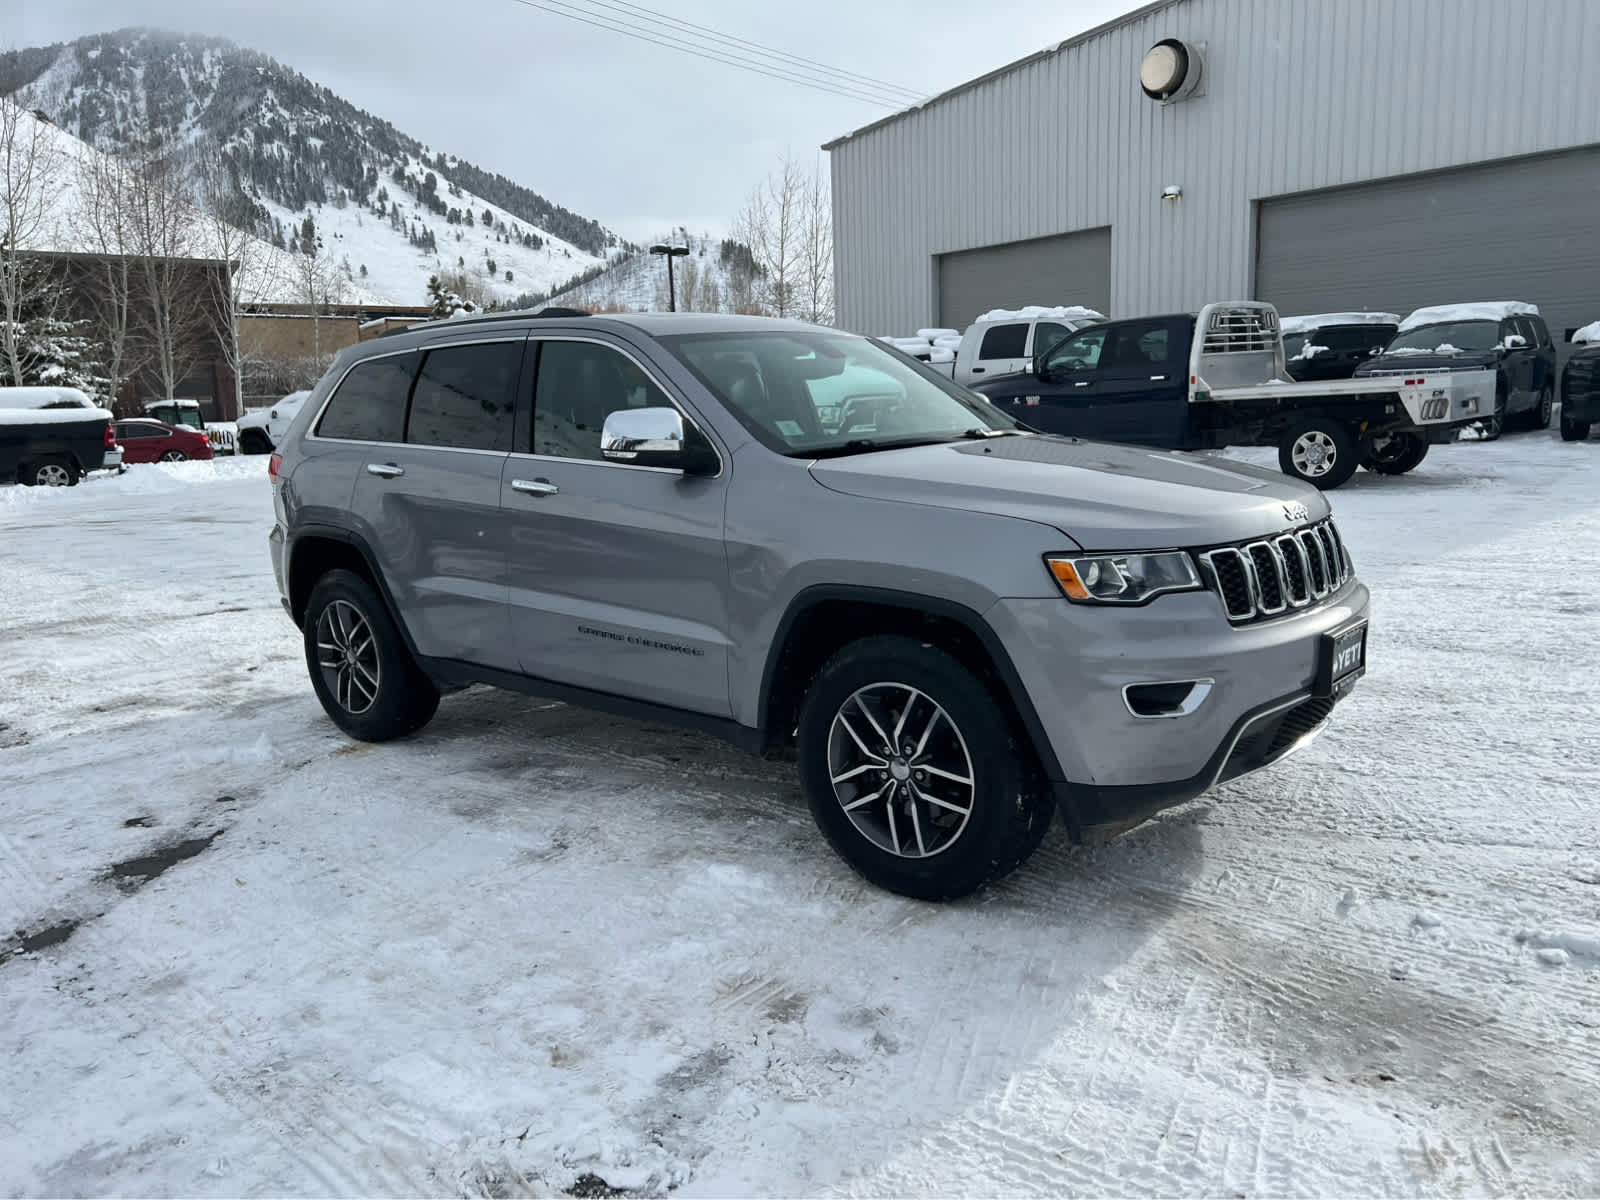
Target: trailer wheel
1394,453
1319,452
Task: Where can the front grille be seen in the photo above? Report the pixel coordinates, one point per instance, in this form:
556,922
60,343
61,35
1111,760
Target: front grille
1274,575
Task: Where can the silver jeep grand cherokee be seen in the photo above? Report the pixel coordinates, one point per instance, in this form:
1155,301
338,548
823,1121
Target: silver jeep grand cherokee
786,535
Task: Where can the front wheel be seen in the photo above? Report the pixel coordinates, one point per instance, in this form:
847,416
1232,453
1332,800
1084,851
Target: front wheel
914,773
1539,418
1319,452
1395,453
1573,431
363,674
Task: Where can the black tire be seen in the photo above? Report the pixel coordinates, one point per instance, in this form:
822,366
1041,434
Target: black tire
1497,424
1008,807
55,471
1573,431
1539,415
1395,454
253,441
174,456
402,699
1318,451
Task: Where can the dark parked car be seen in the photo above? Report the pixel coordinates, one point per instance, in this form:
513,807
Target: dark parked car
1506,336
1333,345
1580,385
53,436
147,441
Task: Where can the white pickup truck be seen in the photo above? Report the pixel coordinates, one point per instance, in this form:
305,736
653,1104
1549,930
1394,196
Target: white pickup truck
1217,378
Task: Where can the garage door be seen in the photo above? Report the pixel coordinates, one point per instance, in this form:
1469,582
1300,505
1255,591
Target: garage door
1073,268
1519,230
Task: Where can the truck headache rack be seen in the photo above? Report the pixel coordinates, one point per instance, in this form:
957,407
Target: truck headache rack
1240,331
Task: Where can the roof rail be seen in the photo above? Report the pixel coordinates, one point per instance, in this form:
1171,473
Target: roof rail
521,314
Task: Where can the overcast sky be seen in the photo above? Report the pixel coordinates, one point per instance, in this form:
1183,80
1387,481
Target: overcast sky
637,136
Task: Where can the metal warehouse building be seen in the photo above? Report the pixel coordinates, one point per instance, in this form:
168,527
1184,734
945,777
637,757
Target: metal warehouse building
1327,155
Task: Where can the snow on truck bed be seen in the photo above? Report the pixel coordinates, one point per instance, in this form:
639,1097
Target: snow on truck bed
533,943
1483,310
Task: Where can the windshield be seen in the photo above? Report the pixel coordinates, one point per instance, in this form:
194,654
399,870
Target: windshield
1292,343
1447,337
805,394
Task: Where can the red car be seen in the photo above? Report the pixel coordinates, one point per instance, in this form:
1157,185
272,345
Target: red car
147,441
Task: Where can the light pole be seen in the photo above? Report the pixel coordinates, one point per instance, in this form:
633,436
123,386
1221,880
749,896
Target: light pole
671,253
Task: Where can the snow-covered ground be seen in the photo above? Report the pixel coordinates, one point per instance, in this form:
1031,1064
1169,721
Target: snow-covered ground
535,944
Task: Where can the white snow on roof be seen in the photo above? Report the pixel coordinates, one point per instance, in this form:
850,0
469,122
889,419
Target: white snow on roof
1038,312
1589,333
40,397
50,416
1482,310
1323,320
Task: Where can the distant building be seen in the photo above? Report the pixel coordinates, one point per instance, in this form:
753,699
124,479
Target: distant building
1315,154
285,347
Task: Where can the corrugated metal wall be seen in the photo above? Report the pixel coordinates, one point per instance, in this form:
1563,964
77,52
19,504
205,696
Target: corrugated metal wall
1298,94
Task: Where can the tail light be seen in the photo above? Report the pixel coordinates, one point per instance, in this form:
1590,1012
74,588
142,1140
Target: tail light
273,464
111,437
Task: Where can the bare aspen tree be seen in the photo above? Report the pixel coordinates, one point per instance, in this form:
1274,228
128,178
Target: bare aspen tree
31,164
318,284
771,226
101,226
171,304
688,279
816,251
253,269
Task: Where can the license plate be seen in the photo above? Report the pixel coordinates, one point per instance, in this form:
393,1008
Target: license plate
1343,661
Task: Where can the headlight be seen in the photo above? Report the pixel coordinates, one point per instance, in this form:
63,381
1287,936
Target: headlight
1122,578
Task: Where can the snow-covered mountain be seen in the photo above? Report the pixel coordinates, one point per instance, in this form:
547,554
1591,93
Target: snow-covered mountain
717,275
384,208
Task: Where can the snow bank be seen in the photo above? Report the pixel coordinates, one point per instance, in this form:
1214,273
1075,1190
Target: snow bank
941,354
140,479
1322,320
1589,333
51,416
1482,310
1037,312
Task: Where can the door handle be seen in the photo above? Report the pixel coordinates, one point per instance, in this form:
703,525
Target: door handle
385,470
534,487
1158,378
1082,382
978,370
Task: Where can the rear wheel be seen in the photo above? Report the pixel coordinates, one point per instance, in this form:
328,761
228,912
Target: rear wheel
1573,431
174,456
914,773
49,472
1395,453
363,674
1319,452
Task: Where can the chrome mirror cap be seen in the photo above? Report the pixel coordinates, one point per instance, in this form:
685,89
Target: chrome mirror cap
635,432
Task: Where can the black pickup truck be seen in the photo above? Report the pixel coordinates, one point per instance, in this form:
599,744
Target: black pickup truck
53,436
1218,378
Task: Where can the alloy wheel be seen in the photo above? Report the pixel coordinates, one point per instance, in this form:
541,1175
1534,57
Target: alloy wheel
53,475
174,456
901,770
1314,453
347,654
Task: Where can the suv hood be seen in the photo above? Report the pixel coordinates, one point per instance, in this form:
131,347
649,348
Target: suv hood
1404,364
1103,496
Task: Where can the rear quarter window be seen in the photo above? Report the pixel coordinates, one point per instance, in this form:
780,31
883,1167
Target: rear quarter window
370,403
1004,341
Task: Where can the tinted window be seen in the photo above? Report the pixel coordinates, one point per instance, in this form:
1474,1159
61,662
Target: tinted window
1354,339
1136,345
1046,334
579,384
1004,341
1292,343
1080,352
370,405
138,431
464,397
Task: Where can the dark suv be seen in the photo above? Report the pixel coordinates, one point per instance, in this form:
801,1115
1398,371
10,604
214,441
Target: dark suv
1580,385
1333,345
1506,336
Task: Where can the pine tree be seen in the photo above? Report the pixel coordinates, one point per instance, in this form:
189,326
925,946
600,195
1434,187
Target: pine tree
363,270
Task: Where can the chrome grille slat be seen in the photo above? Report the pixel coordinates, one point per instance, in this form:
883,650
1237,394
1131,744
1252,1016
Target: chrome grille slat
1270,576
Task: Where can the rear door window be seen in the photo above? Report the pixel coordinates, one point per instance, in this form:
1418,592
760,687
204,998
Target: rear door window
370,403
465,396
1137,346
1004,341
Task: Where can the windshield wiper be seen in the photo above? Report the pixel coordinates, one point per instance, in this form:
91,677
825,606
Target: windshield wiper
978,433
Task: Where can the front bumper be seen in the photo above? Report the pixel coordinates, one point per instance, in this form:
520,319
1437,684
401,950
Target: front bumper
1112,768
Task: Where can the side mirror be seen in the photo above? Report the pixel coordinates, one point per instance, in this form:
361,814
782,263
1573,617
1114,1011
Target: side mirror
1041,369
657,437
1514,341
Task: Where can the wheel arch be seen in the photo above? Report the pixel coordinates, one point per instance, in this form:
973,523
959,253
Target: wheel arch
319,549
823,619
